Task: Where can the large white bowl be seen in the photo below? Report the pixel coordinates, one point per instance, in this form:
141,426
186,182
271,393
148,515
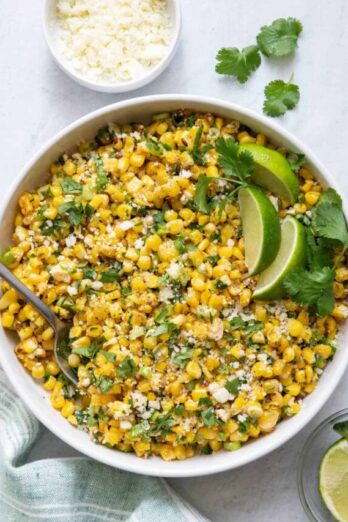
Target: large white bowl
141,109
49,19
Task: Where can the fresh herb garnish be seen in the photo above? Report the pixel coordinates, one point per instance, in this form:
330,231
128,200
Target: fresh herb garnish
154,148
163,328
248,327
237,166
182,357
76,212
89,273
102,178
328,219
89,352
127,368
312,288
109,276
104,384
198,153
70,186
280,97
232,386
296,161
279,38
208,417
240,64
67,303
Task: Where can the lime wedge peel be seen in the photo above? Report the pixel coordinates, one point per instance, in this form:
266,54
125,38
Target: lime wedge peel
292,253
273,172
333,480
261,229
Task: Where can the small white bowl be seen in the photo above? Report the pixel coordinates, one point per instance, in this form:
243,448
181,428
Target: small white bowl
49,17
37,400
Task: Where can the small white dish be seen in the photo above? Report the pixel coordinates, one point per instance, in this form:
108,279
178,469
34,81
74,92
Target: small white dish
49,16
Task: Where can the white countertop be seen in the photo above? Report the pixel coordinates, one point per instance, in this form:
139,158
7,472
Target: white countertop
38,100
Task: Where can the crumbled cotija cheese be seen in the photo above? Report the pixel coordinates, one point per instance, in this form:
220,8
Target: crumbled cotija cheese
112,41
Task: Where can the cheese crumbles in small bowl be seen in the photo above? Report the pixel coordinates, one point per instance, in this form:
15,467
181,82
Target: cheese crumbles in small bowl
112,45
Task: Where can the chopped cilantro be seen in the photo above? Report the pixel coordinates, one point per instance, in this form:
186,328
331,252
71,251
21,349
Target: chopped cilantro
89,352
232,385
70,186
109,276
104,384
102,178
208,417
182,357
127,368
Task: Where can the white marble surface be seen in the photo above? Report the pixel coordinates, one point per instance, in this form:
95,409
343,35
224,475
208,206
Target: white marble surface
37,100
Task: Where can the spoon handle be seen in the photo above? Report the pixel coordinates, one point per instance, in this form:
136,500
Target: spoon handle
29,296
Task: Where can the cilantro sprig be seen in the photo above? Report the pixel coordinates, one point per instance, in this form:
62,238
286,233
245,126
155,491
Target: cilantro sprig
240,64
313,285
278,39
237,166
280,97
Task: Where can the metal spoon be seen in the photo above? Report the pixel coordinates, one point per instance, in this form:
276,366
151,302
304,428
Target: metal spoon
60,328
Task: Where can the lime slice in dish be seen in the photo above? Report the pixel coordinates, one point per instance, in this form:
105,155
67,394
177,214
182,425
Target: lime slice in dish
291,254
333,480
273,172
261,229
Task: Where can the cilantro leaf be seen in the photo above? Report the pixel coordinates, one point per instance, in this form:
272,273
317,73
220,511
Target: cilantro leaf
232,386
89,273
76,212
127,368
328,218
280,97
240,64
163,424
70,186
163,328
312,288
198,154
319,254
102,178
279,38
109,276
201,196
154,148
330,196
88,351
235,163
296,161
181,357
208,417
104,384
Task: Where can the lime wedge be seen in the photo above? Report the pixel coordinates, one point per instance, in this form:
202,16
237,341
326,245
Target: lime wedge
273,172
261,229
292,253
333,480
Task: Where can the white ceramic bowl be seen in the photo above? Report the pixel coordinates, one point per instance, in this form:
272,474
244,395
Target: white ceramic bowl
141,109
49,16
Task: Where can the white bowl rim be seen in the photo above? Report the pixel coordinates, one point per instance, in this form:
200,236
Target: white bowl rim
159,467
116,88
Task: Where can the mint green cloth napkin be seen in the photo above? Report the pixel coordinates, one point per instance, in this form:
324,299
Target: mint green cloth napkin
72,489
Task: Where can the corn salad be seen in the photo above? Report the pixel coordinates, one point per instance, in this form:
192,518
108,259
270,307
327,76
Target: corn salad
173,357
